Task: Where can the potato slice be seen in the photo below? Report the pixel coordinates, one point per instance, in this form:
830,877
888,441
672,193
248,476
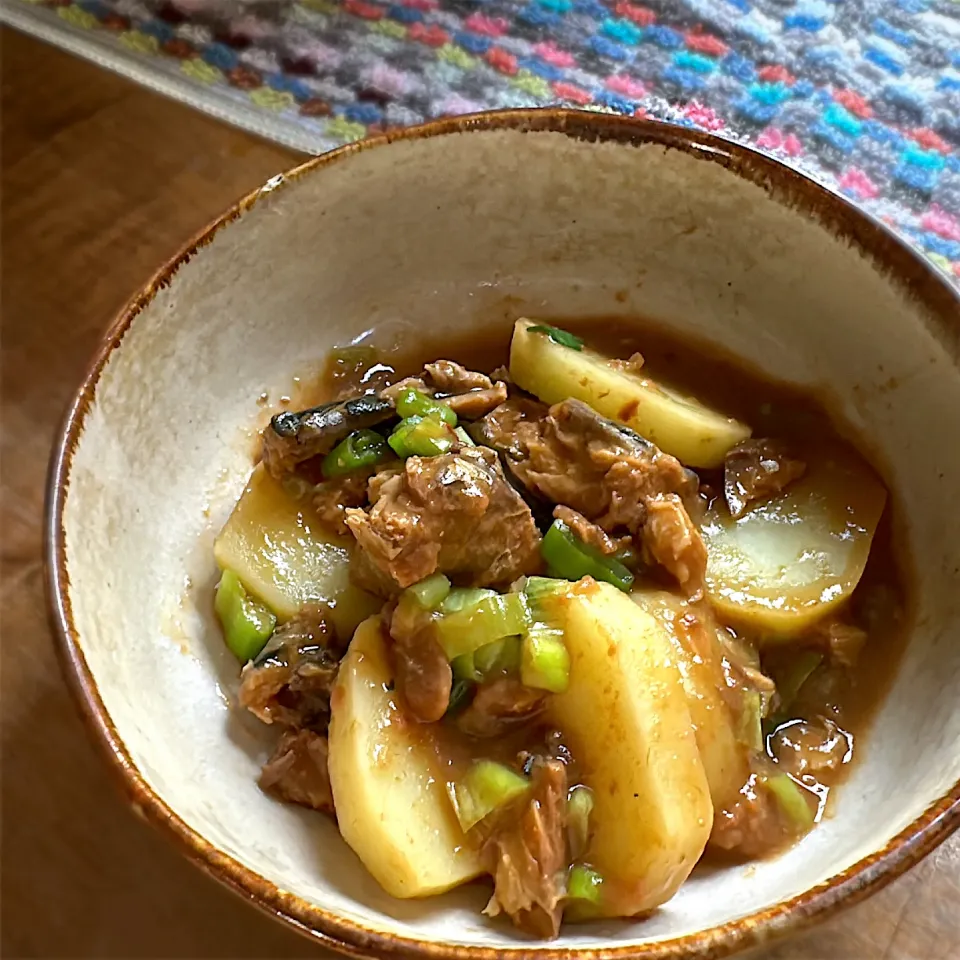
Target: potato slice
693,433
788,561
693,631
276,546
626,718
392,806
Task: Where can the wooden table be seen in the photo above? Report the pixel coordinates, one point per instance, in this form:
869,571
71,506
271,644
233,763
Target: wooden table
102,181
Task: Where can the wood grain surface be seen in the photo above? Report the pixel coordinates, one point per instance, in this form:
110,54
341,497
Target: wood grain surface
101,182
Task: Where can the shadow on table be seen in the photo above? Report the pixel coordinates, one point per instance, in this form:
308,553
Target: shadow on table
130,894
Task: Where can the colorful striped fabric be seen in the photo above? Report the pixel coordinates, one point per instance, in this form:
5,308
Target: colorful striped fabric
864,95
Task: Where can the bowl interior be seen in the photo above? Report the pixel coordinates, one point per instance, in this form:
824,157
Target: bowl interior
455,233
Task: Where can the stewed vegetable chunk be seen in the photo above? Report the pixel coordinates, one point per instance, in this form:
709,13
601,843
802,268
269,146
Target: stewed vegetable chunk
681,426
281,553
391,804
788,561
626,717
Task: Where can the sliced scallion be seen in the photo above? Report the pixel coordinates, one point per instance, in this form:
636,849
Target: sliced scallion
361,449
544,659
247,624
430,592
421,437
569,558
486,786
413,403
490,619
792,800
584,883
557,335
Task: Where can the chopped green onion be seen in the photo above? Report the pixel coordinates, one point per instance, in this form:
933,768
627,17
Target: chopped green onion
562,337
570,558
486,787
490,619
461,598
750,729
542,594
465,669
413,403
247,624
485,657
362,448
465,437
584,883
431,591
579,808
544,659
794,675
792,800
502,656
538,587
459,695
421,437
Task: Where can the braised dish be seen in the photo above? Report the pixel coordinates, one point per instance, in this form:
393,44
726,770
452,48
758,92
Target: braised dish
571,616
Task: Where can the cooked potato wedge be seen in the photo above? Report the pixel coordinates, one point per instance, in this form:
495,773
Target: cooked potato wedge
391,803
277,548
699,654
693,433
789,560
626,717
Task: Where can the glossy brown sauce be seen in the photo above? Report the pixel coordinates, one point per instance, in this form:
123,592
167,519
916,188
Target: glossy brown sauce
880,603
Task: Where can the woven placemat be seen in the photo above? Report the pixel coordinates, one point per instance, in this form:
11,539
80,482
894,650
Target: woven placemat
864,95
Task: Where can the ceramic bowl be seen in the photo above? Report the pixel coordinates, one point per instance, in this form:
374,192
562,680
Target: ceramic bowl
461,225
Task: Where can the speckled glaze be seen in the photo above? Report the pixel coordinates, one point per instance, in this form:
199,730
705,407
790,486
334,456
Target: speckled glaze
461,224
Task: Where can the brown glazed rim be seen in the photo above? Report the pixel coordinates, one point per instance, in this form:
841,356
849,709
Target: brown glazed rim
919,280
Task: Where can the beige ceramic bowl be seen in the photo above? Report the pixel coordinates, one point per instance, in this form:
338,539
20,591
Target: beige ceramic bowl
456,226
